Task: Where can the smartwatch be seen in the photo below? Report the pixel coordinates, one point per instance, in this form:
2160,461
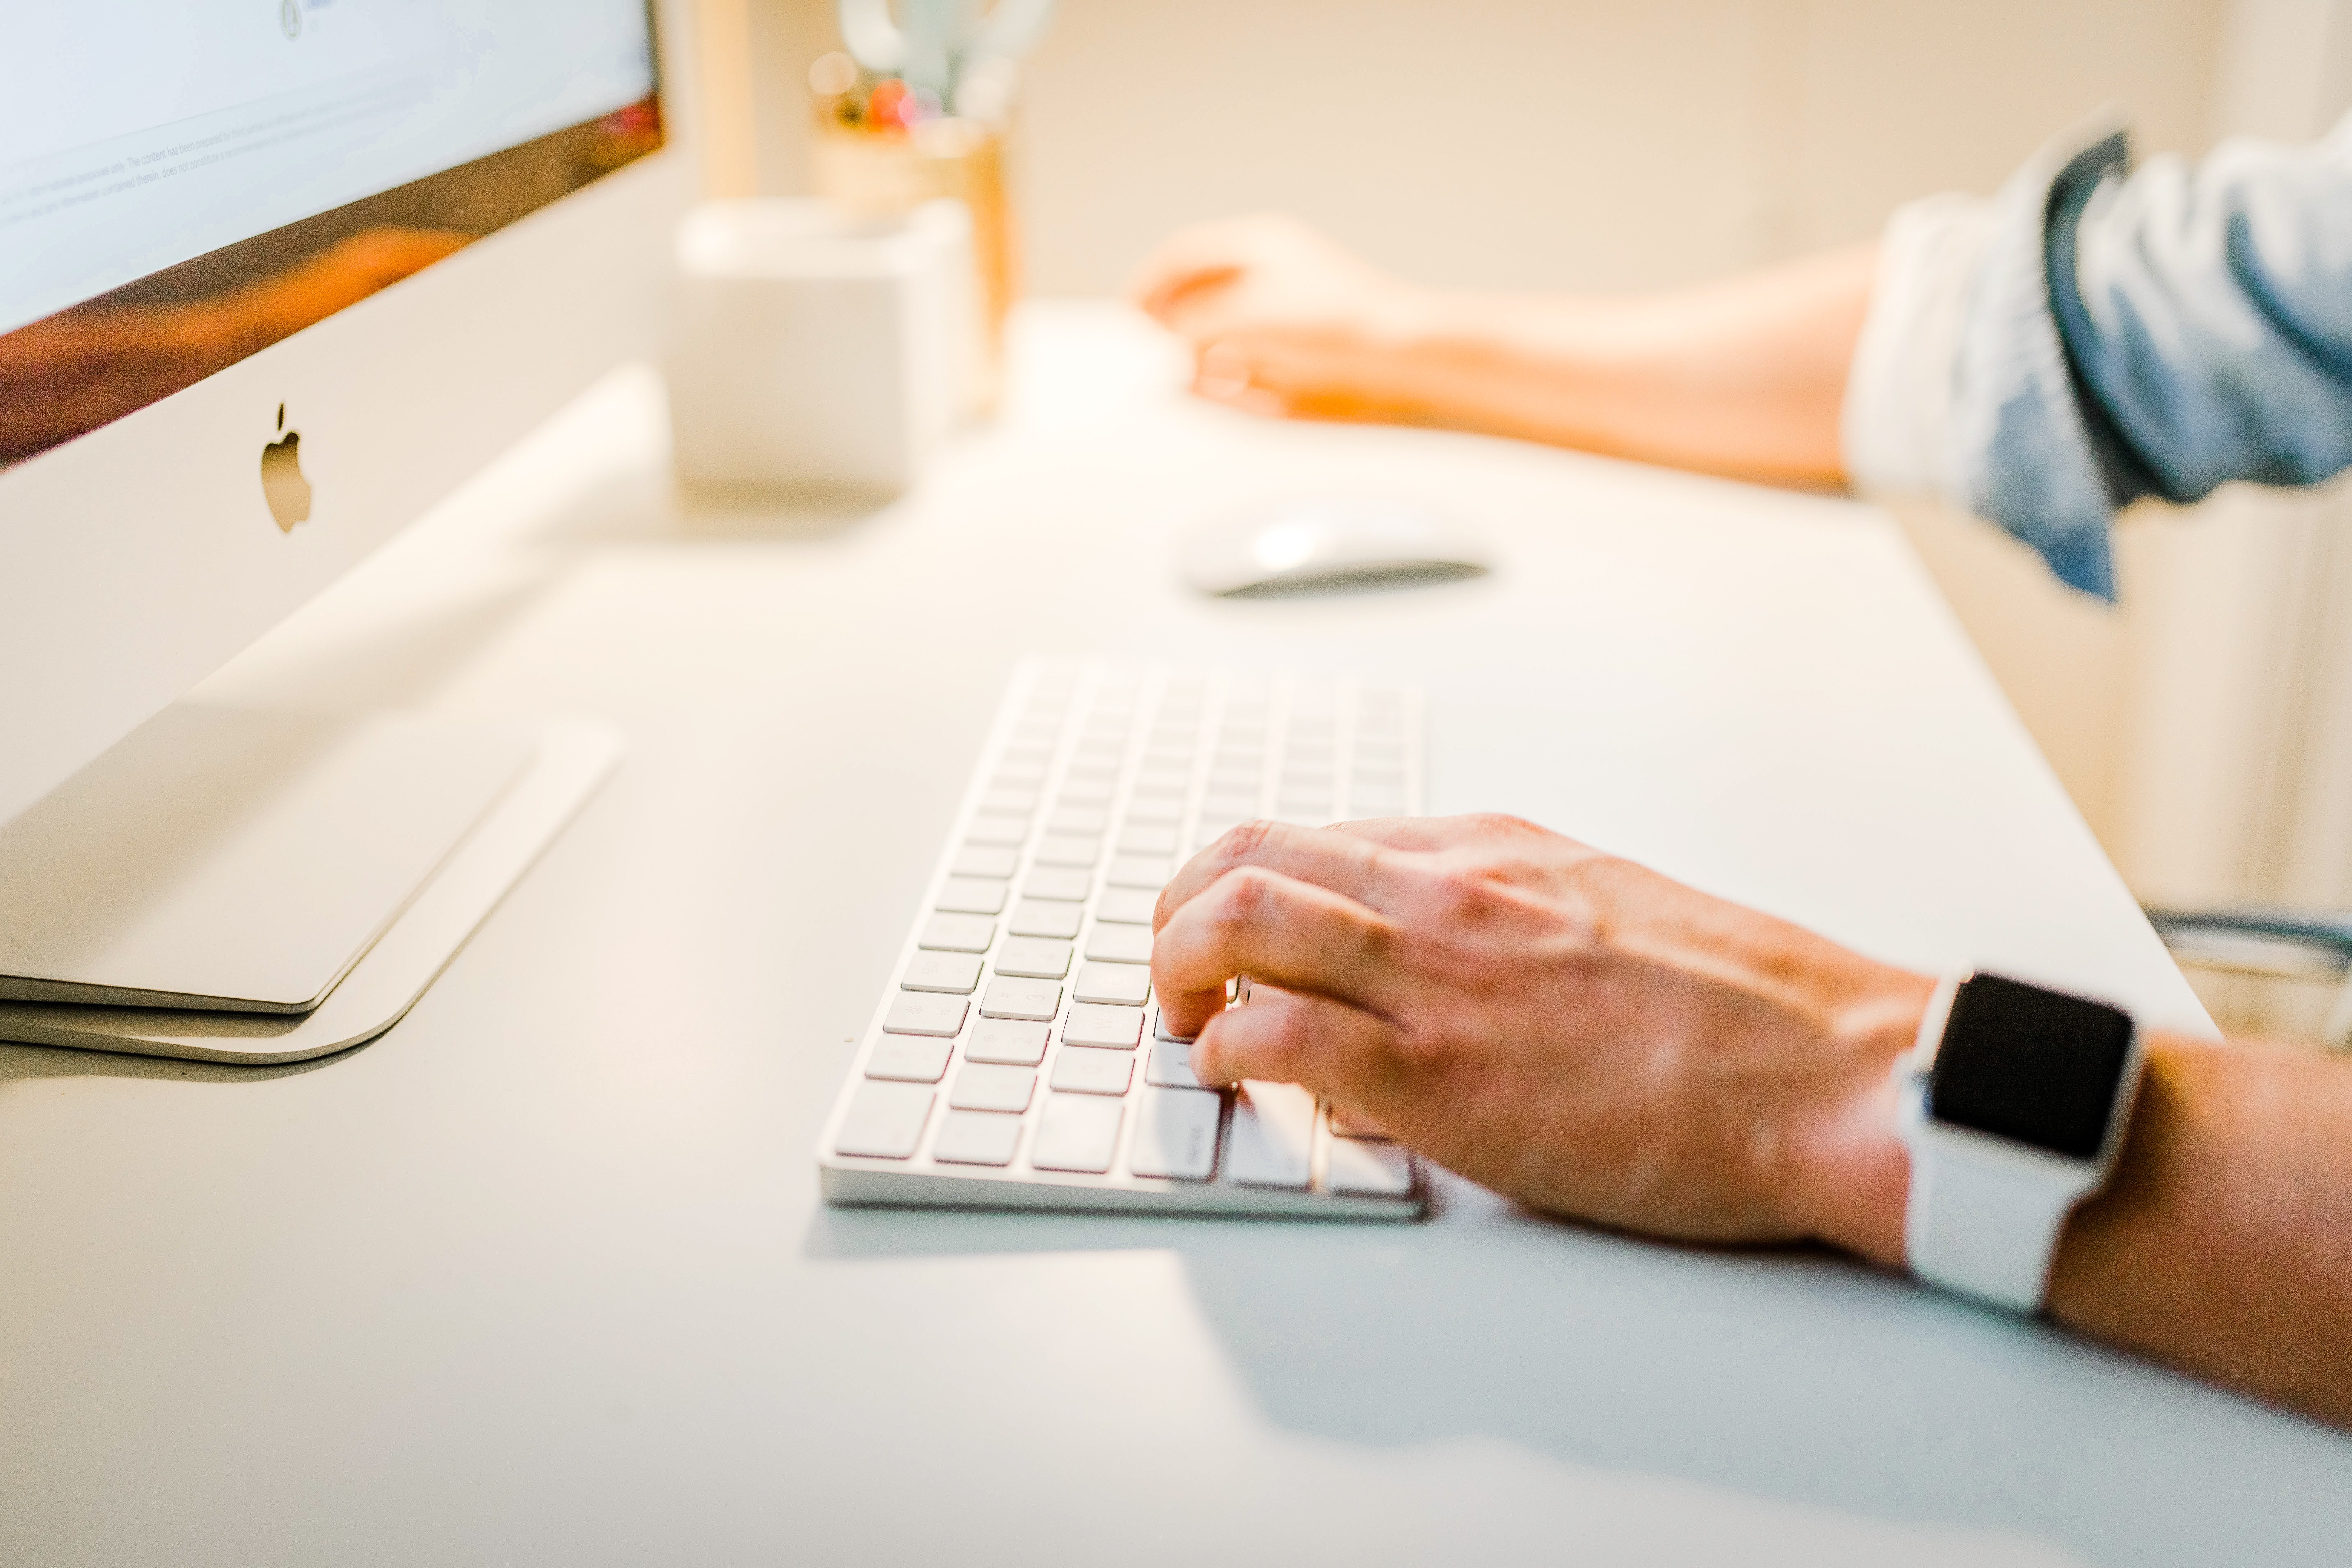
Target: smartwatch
2013,1105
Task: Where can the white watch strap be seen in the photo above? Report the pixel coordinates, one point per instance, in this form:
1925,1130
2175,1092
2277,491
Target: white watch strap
1980,1221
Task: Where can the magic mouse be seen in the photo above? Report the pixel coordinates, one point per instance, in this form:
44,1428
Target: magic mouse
1325,541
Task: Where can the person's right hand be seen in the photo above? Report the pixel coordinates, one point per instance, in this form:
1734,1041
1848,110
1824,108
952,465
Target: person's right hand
1283,321
1567,1027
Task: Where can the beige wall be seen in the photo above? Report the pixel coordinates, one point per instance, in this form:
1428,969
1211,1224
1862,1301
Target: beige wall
1540,142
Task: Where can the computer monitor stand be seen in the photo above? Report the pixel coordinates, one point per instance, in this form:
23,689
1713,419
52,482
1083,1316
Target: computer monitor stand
232,885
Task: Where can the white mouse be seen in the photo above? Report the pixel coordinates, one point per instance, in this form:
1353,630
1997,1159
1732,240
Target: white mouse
1325,541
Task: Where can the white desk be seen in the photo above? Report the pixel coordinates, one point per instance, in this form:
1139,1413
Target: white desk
542,1276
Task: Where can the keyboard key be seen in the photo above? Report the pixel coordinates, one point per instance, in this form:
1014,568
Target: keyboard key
1166,810
958,933
1145,838
1033,958
1135,871
984,860
1077,1132
1079,1071
1061,849
1175,1135
1120,943
976,1138
1170,1065
1079,790
1371,1170
1272,1136
989,827
910,1058
1058,883
1125,984
955,972
1160,1026
1036,1000
1077,820
1237,804
1162,789
1020,775
885,1120
1007,1041
1126,906
1346,1125
979,1088
1045,917
1377,802
1013,802
1098,1025
919,1013
972,896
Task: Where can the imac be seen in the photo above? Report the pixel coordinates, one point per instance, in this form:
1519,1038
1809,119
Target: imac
275,275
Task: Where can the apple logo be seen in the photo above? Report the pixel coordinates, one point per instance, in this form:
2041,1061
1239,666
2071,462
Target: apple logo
287,492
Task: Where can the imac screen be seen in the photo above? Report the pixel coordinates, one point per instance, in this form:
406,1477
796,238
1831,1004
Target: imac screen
184,182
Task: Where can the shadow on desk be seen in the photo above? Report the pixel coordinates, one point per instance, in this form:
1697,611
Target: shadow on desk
1796,1374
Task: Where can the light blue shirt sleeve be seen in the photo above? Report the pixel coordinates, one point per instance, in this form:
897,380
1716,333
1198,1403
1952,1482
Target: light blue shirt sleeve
2156,331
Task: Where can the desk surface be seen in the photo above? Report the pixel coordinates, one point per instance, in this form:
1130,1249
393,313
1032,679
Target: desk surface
542,1275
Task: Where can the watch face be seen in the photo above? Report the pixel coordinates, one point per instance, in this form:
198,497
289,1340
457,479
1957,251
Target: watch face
2031,1066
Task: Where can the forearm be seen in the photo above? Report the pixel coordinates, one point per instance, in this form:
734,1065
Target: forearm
2223,1244
1746,377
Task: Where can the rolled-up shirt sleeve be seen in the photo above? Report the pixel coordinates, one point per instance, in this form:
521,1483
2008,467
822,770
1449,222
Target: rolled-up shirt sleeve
2091,335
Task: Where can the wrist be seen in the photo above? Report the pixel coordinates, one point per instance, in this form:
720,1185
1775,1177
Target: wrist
1853,1173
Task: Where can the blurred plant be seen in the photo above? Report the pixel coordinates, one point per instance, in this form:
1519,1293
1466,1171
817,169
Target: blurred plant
959,52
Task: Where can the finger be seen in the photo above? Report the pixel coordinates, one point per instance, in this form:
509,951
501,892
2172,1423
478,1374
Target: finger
1247,399
1433,834
1165,295
1272,928
1222,372
1283,1036
1345,865
1227,374
1205,257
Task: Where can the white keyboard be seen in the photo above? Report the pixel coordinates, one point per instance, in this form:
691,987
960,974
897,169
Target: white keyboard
1017,1059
